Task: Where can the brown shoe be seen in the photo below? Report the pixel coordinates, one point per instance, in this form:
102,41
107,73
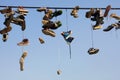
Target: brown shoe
48,32
6,30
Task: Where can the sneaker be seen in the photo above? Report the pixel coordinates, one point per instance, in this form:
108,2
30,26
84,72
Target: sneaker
52,25
107,10
42,9
41,40
57,13
24,54
89,13
109,27
22,58
93,51
6,10
67,34
21,10
59,72
21,62
97,26
24,42
8,20
69,40
20,20
74,12
5,37
48,32
113,15
45,22
6,30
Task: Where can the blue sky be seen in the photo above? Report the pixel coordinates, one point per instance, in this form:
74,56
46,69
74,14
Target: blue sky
44,60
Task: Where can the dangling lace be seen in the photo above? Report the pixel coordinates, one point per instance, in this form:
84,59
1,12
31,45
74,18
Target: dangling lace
92,41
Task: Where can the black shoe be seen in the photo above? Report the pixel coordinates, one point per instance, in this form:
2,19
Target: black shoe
109,28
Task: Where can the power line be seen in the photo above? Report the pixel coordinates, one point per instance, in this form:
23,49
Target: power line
83,8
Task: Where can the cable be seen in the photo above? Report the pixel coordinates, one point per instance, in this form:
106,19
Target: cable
85,8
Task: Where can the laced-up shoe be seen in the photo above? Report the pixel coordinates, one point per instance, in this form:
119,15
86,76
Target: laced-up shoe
69,40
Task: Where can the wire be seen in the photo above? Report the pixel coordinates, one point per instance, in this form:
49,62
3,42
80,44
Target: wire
85,8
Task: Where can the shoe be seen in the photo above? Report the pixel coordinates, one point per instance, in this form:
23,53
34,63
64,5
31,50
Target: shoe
22,58
48,32
21,62
113,15
8,20
22,11
24,42
59,72
97,26
6,10
45,22
6,30
74,12
109,27
5,37
20,20
89,13
67,34
57,13
41,40
42,9
24,54
93,51
69,40
107,10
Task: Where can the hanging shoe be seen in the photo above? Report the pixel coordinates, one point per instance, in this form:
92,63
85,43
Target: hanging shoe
6,30
57,13
113,15
97,26
44,22
24,42
109,27
21,62
74,12
42,9
20,20
107,10
22,11
5,37
41,40
59,72
67,34
69,40
93,51
6,10
48,32
89,13
22,58
8,20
